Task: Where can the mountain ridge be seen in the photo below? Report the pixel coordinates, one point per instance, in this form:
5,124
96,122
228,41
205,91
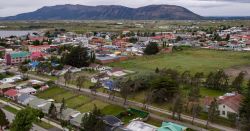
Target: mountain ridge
107,12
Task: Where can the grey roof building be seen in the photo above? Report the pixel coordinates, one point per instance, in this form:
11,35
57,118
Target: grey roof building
24,99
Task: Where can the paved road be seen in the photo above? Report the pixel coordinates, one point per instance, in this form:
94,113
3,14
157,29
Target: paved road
10,116
119,100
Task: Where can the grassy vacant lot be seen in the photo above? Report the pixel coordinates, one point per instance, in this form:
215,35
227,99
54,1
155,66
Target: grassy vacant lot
79,102
194,60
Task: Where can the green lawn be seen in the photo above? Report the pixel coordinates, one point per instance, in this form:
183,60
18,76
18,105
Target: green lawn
43,124
10,109
51,92
72,103
210,92
195,60
112,110
65,95
89,106
154,122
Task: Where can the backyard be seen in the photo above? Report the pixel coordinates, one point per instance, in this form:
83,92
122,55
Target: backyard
83,103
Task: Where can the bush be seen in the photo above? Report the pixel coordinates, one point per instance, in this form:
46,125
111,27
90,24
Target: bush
151,49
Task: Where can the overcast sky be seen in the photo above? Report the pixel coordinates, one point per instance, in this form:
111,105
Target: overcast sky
201,7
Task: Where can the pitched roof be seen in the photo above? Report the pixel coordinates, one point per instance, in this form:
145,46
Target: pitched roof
207,100
169,126
11,92
19,54
27,90
24,97
6,86
77,120
37,101
231,101
67,113
112,120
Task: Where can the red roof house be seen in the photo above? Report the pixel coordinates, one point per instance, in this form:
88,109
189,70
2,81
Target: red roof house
11,93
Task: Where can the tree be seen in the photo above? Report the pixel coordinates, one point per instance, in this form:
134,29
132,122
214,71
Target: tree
23,120
195,110
197,79
218,80
210,80
63,107
67,77
125,90
232,117
92,56
178,38
96,111
193,97
78,57
244,111
227,37
3,121
92,121
36,42
52,111
39,114
177,106
151,49
64,123
99,126
88,121
80,81
23,69
147,98
157,70
186,77
164,88
212,111
238,82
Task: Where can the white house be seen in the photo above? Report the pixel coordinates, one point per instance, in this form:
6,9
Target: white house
116,72
28,90
229,103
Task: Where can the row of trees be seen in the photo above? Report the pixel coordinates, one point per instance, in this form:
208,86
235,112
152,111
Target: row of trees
220,81
245,111
165,86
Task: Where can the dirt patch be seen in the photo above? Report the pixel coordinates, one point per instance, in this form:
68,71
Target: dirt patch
234,71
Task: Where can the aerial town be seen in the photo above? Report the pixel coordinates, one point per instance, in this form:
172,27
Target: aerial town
119,73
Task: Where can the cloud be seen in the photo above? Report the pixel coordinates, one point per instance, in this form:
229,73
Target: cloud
235,1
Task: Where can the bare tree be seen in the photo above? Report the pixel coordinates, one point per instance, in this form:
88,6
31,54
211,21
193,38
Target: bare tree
177,106
67,77
80,81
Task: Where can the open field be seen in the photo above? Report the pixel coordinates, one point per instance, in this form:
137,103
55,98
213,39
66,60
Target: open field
194,60
81,26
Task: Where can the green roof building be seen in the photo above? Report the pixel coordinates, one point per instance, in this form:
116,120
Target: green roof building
19,54
169,126
17,57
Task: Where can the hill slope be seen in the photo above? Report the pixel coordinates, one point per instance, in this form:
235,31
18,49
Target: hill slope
107,12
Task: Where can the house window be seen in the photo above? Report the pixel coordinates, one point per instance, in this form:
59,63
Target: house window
223,106
223,113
